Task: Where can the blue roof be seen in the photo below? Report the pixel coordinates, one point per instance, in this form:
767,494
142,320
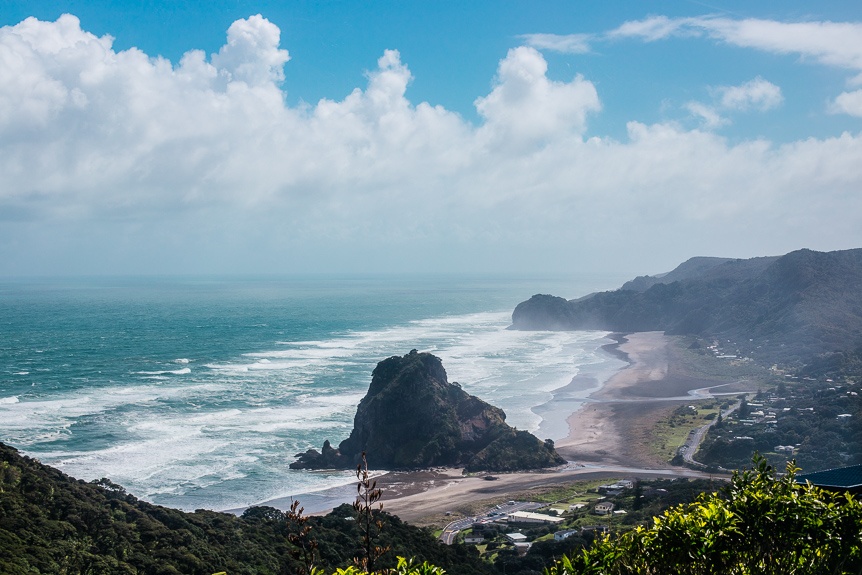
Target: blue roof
849,478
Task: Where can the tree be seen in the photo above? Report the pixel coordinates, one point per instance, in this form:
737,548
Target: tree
638,494
299,533
744,409
368,518
759,524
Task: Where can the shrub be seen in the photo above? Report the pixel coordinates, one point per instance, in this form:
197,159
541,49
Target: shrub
760,524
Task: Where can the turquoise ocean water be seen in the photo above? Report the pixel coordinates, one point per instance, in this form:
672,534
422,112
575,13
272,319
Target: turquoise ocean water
197,393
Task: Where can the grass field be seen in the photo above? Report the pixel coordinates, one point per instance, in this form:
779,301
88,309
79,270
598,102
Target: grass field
671,432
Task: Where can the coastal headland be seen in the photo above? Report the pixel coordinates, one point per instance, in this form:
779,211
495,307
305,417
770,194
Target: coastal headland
609,436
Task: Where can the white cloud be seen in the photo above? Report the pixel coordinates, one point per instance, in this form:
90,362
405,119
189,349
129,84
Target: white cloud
650,29
833,43
566,44
848,103
708,115
251,54
202,163
757,94
526,106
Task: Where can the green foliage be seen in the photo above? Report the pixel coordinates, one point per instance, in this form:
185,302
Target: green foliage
839,365
515,450
52,523
403,567
810,422
759,525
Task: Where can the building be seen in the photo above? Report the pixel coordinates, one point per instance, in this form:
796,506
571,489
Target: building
516,537
560,535
847,479
473,539
604,508
616,486
528,517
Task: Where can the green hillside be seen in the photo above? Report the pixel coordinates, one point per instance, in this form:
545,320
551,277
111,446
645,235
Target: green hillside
54,524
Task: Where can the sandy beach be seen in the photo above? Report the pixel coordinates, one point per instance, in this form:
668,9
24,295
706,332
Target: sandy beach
607,438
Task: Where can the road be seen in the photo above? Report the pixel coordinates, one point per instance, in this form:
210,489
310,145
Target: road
696,437
452,529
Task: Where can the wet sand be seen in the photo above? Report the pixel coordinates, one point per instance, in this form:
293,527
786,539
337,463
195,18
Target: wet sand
607,438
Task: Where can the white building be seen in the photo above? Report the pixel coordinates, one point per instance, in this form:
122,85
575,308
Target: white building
516,537
528,517
604,508
560,535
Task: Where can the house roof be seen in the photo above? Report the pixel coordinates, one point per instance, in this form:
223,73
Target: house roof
527,516
843,478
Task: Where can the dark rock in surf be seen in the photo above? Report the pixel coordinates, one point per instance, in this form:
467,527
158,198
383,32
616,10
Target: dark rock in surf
412,418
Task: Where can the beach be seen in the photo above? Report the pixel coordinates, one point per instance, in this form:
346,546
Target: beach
607,438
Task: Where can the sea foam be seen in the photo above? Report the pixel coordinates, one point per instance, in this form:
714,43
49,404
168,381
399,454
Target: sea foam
222,435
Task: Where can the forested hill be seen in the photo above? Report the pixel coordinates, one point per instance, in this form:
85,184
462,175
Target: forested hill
53,523
787,309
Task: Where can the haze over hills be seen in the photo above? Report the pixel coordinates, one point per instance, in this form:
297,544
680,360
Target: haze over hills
786,309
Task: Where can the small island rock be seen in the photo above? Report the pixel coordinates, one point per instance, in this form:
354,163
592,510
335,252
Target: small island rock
412,417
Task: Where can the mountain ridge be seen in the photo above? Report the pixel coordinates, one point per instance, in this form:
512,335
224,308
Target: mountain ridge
785,308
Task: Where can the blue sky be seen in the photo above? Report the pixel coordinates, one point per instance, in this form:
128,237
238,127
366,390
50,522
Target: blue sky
524,137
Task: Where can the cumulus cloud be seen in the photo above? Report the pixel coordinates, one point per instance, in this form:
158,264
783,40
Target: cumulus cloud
526,105
566,43
203,161
251,54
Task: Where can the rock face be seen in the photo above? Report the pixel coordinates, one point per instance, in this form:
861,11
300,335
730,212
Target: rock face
412,417
784,309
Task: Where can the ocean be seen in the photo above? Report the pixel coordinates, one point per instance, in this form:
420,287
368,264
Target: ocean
198,392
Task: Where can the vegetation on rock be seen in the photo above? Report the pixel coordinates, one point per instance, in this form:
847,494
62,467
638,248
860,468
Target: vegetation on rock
445,426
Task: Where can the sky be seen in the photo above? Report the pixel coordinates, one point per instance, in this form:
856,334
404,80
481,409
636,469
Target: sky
294,137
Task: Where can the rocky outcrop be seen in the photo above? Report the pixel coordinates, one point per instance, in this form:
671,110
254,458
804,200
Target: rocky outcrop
412,417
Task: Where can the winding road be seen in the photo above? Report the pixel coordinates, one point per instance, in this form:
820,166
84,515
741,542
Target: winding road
696,437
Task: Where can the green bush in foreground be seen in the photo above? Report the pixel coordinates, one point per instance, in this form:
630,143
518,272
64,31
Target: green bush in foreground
760,525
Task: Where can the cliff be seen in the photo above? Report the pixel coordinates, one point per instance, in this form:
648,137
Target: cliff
412,417
787,309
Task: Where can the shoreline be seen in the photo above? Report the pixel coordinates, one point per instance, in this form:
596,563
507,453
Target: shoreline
555,414
578,393
606,435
